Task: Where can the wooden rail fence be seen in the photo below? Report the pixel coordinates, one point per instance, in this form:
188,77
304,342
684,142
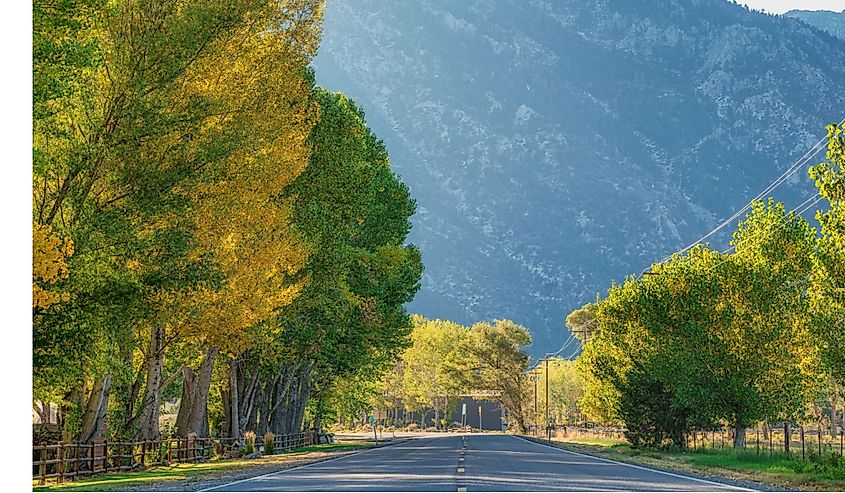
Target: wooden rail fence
62,461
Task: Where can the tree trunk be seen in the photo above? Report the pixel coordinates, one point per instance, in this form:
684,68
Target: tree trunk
193,408
739,438
241,397
96,410
226,427
834,403
437,413
234,404
278,408
303,392
786,436
147,418
318,416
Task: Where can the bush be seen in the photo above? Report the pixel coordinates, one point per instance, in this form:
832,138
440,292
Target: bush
830,466
412,427
249,442
650,417
269,443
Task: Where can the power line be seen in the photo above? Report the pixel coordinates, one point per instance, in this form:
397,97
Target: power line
800,163
563,347
796,212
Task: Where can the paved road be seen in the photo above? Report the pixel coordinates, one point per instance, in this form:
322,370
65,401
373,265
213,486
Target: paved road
471,463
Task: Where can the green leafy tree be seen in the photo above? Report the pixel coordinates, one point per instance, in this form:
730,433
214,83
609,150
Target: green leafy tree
432,367
827,291
499,363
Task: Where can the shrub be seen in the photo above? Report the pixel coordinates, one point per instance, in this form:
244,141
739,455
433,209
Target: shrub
249,442
412,427
650,417
269,443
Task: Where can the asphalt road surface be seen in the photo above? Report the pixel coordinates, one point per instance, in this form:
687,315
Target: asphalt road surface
471,463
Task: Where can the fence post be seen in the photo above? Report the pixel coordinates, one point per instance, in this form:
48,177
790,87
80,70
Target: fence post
76,466
802,442
43,466
758,441
820,439
60,466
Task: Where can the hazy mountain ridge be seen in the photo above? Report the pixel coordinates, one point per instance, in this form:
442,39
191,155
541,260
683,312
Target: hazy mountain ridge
555,146
832,22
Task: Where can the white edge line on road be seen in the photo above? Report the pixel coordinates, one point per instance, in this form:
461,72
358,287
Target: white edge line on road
682,476
284,471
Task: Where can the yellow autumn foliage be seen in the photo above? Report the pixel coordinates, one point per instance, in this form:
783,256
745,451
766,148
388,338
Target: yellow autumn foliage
256,75
49,265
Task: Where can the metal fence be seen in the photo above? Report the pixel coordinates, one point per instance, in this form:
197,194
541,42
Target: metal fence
61,461
796,441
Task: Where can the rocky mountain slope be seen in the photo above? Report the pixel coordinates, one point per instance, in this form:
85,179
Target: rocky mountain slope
556,146
832,22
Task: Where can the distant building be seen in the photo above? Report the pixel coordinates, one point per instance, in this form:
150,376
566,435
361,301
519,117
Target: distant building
492,413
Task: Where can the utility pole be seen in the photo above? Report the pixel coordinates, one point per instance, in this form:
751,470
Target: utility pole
535,378
547,391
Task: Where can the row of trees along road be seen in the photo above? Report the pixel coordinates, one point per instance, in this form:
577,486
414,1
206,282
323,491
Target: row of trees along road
730,339
209,227
444,361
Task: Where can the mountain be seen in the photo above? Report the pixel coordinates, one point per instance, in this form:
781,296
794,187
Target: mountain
832,22
554,146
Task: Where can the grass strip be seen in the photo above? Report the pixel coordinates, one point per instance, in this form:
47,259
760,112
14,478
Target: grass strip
192,472
826,473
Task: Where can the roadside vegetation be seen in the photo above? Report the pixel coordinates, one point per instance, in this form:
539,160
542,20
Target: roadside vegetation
217,241
189,473
750,337
776,469
747,343
444,361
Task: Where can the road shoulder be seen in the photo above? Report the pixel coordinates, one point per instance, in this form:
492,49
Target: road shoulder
729,478
213,474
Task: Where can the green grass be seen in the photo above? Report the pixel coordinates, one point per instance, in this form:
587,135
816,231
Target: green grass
825,473
187,472
599,441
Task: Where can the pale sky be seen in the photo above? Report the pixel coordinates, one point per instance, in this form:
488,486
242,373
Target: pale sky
781,6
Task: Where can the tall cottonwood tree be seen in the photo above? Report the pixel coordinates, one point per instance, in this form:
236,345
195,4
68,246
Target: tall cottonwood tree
433,366
352,213
710,337
256,77
154,115
827,290
499,364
